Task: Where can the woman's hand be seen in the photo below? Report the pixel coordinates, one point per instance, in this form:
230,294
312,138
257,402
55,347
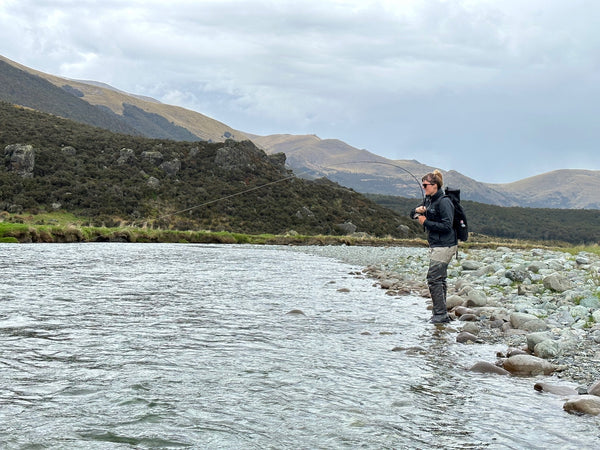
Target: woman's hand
422,219
420,210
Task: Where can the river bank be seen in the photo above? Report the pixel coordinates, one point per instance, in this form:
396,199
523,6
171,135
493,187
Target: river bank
48,233
542,305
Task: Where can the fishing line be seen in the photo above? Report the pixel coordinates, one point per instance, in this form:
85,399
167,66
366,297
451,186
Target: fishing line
210,202
393,165
225,197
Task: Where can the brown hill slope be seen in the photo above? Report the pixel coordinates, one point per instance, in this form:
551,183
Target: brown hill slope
366,172
572,189
113,99
311,156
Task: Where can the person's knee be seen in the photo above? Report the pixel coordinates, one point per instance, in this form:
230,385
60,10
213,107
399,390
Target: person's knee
437,272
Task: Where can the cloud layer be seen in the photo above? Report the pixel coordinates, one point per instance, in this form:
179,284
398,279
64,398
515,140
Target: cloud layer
498,90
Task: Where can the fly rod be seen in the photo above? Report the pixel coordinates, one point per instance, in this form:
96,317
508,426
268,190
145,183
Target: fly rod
191,208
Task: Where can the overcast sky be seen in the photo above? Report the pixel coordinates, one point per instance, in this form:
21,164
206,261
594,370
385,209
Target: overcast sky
498,90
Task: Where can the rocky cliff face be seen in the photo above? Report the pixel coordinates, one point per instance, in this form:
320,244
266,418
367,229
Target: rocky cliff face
245,156
20,158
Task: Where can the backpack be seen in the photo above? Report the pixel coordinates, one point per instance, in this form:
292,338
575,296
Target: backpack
460,218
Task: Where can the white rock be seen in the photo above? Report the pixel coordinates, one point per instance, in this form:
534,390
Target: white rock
586,404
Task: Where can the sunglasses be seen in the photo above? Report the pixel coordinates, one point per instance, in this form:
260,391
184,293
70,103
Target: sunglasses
426,184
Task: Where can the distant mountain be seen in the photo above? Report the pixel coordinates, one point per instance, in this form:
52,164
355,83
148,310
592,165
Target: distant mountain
98,104
558,189
366,172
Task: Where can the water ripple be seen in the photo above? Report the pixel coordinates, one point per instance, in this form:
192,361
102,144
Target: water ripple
166,346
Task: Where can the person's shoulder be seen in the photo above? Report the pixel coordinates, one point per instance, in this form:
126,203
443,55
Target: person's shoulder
447,200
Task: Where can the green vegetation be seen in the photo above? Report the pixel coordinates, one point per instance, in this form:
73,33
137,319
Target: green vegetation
108,181
58,227
590,322
551,226
115,180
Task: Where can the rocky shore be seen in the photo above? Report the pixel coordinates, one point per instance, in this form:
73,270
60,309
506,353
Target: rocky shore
543,305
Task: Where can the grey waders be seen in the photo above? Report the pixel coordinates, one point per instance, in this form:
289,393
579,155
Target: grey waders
436,280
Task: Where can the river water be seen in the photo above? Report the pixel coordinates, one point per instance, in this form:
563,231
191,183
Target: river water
217,346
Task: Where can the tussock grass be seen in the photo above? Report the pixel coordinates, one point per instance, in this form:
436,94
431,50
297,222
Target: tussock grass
66,227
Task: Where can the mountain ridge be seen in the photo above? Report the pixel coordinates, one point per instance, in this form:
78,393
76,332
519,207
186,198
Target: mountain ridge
377,175
309,155
96,94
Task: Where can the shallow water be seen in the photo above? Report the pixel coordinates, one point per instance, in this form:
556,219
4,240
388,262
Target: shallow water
166,346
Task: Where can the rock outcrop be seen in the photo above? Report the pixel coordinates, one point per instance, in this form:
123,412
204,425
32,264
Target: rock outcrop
20,158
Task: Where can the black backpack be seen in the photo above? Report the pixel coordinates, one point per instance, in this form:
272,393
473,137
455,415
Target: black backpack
460,218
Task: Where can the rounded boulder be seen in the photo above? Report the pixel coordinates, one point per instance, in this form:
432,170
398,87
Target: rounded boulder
528,365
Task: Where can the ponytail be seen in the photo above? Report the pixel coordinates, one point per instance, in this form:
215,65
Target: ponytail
435,177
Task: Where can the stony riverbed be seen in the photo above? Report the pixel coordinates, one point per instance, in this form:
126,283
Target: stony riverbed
543,305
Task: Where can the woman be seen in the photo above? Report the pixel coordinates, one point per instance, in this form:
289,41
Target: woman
436,216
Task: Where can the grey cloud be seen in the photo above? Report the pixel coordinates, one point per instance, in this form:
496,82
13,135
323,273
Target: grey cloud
450,83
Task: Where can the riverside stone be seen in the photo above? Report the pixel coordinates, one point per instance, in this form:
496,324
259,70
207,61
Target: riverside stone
482,271
471,327
535,325
555,389
388,283
595,389
528,365
579,312
585,404
519,319
471,265
537,266
582,260
534,339
476,298
547,349
590,302
468,318
454,301
464,336
460,310
519,275
557,282
529,289
486,367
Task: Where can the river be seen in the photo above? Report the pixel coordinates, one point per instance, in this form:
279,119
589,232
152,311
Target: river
230,346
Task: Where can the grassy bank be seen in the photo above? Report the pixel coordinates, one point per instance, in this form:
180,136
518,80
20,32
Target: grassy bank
65,228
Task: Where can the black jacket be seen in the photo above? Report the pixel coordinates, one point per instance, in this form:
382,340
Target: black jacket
440,215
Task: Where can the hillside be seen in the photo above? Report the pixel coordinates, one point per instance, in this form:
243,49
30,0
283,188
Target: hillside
369,173
557,189
366,172
52,163
101,105
138,115
29,90
538,224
